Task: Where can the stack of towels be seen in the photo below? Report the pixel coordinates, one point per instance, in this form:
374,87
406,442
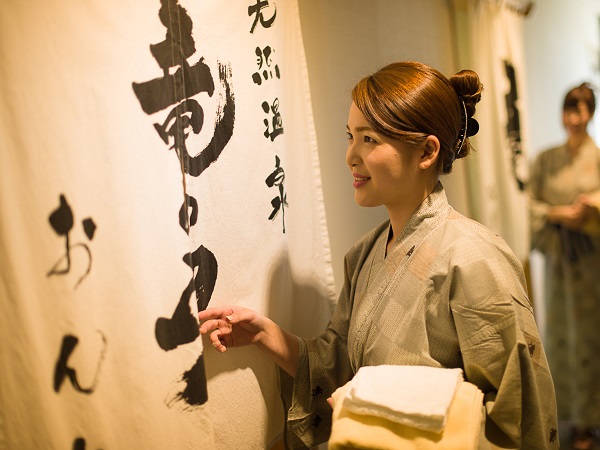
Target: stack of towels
406,407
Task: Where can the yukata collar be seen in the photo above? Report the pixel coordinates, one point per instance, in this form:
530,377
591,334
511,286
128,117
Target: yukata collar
424,220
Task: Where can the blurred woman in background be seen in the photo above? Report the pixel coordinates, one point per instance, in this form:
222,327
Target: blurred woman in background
565,200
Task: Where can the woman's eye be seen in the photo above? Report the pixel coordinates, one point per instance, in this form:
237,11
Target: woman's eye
369,139
349,136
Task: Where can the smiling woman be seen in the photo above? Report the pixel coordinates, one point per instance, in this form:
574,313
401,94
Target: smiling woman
417,137
427,287
380,165
565,219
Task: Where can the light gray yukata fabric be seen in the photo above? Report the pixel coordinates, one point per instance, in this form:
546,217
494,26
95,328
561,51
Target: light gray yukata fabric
450,294
572,281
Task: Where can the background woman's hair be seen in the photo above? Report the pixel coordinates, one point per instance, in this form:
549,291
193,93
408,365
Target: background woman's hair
409,101
582,93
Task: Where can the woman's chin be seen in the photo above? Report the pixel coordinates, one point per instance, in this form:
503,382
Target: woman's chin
365,202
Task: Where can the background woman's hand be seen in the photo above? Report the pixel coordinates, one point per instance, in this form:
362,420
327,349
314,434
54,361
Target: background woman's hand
231,326
569,216
590,205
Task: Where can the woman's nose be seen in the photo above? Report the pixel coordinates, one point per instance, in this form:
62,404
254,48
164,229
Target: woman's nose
351,155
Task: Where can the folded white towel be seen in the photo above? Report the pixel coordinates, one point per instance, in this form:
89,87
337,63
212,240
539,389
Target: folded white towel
357,431
417,396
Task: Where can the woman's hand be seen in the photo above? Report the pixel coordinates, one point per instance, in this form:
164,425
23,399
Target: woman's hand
590,206
569,216
231,326
234,326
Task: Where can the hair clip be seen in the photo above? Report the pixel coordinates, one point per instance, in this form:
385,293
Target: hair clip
470,128
463,131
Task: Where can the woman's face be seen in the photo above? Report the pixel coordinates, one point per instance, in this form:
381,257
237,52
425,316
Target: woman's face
385,170
576,119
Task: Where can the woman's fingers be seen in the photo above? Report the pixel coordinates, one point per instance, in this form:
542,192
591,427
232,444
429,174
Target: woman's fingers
214,313
211,318
215,325
228,314
217,341
230,326
217,330
210,325
239,315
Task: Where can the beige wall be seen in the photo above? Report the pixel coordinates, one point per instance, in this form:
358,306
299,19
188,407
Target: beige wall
345,40
562,48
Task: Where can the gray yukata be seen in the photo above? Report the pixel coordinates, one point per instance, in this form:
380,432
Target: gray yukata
571,282
449,294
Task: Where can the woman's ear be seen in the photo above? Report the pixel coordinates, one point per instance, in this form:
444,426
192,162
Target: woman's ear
431,151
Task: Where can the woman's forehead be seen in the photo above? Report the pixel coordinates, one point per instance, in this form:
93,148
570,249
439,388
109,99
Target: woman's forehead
580,107
356,118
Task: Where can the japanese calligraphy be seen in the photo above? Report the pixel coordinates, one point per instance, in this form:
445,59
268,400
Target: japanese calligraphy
79,444
276,121
273,123
263,60
62,221
182,327
180,87
188,213
513,126
279,203
258,14
194,393
63,371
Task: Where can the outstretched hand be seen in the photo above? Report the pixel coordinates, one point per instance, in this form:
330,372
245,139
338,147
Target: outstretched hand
231,326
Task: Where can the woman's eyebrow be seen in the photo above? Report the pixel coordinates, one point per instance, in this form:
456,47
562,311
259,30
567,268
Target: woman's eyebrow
360,128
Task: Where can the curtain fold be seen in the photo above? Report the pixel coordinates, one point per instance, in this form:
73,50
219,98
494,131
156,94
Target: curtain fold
498,168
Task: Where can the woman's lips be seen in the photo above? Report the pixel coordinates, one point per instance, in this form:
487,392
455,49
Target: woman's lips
359,180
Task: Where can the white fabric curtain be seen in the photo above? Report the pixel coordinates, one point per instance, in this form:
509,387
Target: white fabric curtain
498,169
155,157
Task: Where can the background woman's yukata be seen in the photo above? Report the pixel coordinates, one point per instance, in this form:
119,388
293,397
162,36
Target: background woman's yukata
572,280
449,294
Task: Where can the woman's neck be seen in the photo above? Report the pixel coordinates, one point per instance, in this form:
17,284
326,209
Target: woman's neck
400,214
575,141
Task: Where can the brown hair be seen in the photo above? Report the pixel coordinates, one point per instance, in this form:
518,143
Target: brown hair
582,93
409,101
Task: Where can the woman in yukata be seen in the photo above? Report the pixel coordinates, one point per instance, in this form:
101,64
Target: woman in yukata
428,287
565,203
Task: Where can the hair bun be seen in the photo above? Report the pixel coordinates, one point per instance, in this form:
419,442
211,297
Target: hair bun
468,89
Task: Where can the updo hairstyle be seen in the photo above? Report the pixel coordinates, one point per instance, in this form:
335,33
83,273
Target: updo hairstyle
582,93
409,101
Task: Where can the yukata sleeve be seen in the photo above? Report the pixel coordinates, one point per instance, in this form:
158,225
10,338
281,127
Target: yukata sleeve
502,351
541,233
323,366
592,226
